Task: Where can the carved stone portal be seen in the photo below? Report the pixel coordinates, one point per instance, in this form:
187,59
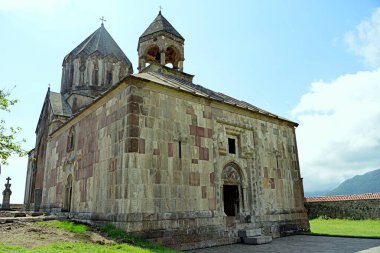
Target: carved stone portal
231,176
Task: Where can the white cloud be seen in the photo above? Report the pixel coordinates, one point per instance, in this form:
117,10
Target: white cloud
43,6
339,132
364,40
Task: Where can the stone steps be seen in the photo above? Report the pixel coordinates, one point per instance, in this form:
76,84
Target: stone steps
253,236
256,240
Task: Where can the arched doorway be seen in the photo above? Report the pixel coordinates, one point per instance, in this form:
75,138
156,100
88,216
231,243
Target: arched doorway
232,190
231,200
68,193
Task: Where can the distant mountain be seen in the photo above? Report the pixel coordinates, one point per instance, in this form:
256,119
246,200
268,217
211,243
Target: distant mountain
316,194
367,183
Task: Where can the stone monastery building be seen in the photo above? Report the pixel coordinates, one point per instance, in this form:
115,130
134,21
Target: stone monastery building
157,155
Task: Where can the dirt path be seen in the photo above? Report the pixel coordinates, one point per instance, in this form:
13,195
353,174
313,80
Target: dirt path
29,234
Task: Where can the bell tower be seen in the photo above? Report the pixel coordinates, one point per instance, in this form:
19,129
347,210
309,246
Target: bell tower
161,44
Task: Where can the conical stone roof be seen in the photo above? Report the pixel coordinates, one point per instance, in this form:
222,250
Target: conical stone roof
159,24
100,41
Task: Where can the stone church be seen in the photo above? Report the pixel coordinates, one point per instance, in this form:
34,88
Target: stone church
158,155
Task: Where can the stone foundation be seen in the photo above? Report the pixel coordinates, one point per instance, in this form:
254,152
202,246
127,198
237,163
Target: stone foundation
187,230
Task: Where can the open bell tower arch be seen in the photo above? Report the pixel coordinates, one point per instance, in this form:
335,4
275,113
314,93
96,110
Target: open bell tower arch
161,44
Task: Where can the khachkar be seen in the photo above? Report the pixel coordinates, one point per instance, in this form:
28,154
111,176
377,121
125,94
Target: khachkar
7,196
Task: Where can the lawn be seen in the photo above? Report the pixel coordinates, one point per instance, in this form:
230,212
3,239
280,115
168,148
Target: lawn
66,236
77,247
345,227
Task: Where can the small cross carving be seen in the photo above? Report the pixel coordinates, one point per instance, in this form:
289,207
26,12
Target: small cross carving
102,19
8,178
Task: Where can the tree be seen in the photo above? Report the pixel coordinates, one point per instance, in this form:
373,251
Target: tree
8,143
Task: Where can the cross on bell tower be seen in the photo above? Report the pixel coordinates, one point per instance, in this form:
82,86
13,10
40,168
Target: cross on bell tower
102,19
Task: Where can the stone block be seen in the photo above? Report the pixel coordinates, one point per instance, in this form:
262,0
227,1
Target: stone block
156,151
204,192
249,232
194,179
33,214
133,131
132,145
142,146
170,149
19,214
256,240
134,217
133,108
167,216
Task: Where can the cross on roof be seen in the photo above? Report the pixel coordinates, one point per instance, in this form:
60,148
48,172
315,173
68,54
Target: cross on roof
102,19
160,7
8,178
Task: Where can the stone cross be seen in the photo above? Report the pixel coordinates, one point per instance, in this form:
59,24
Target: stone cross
160,7
7,195
102,19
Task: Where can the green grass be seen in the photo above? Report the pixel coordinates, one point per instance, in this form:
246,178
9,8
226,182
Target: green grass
345,227
66,225
121,235
76,247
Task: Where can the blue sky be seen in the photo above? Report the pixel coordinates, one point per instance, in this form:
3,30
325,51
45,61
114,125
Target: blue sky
314,62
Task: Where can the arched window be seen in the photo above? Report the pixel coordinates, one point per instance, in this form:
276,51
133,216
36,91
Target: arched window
95,77
67,194
109,78
71,140
71,75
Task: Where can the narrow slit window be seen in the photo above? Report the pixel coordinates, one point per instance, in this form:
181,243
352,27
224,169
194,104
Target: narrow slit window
70,140
231,146
109,77
180,149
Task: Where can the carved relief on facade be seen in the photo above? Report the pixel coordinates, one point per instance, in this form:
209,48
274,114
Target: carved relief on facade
231,176
247,145
243,136
221,139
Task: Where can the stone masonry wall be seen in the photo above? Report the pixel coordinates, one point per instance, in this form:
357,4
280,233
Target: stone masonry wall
154,160
350,209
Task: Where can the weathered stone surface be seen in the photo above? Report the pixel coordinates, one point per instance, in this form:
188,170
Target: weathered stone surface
158,160
249,232
19,214
257,240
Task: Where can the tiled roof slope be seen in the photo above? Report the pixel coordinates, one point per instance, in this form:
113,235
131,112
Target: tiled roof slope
160,23
100,41
59,105
153,73
366,196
